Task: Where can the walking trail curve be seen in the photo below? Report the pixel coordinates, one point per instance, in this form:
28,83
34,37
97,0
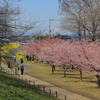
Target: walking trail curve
60,93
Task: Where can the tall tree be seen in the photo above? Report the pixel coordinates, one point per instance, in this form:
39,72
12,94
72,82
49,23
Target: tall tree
11,26
81,16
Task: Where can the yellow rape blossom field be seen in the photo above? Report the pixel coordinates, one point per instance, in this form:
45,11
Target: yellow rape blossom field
6,48
20,55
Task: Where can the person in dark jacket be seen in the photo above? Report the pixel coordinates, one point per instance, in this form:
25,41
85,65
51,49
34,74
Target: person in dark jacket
14,58
22,69
27,57
21,61
8,64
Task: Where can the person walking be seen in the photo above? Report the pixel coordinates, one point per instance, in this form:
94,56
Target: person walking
22,69
8,64
27,57
21,61
14,58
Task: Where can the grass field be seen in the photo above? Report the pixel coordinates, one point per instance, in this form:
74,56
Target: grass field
14,89
87,87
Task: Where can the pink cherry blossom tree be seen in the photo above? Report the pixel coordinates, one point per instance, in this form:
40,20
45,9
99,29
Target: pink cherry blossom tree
80,54
86,56
31,49
58,52
49,51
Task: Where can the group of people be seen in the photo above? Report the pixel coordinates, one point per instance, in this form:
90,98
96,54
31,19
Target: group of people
17,66
29,58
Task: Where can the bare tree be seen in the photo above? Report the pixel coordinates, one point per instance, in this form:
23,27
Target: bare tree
11,26
38,35
81,16
92,11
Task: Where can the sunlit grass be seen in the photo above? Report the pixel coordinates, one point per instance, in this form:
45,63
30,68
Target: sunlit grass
14,89
87,87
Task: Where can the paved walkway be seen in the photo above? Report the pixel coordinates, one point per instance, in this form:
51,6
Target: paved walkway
60,93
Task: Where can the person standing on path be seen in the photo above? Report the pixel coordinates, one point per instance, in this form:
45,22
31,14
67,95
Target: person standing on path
14,58
21,61
8,64
22,69
27,57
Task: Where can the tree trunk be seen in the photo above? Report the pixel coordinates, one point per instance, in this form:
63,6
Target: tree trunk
33,58
64,73
72,67
98,82
53,69
80,74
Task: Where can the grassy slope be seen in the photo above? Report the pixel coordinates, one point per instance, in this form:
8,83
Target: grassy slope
14,89
87,87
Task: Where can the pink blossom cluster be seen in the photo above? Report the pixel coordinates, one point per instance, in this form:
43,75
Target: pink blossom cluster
80,54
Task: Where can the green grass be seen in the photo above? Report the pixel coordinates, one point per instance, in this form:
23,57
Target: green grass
87,87
14,89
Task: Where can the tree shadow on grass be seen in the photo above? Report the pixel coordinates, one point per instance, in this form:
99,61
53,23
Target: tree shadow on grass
56,73
93,81
71,70
73,74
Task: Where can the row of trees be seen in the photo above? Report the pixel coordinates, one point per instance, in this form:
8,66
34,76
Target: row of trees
80,54
81,17
39,36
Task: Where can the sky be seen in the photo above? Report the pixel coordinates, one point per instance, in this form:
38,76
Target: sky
43,11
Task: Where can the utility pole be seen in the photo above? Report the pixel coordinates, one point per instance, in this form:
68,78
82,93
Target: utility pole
50,25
